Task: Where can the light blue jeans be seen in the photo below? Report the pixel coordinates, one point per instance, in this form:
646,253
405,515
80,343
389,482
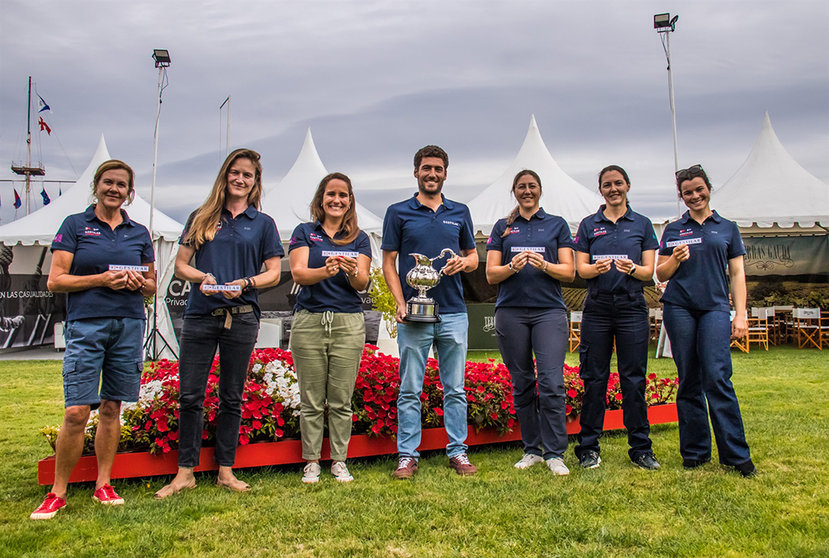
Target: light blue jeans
414,341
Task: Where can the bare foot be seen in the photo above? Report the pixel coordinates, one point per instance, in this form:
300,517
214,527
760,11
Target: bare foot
229,480
184,479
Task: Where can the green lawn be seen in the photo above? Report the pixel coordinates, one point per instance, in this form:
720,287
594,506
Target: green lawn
615,510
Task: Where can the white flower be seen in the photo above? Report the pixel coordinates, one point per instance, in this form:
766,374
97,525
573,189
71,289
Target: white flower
281,384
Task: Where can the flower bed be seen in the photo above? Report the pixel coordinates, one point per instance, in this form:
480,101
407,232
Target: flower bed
270,409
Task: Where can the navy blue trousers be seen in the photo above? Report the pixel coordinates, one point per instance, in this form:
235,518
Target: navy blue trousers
701,345
623,317
538,399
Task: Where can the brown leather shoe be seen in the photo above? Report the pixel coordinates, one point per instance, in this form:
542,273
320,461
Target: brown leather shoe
406,468
462,466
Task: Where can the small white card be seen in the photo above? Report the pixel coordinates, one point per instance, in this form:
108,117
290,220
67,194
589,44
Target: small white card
597,257
682,241
329,253
218,288
117,267
539,249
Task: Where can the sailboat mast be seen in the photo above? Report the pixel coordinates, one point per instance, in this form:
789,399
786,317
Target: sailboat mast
28,142
27,169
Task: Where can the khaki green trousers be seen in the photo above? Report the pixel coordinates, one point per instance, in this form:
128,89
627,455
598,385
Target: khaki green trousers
326,348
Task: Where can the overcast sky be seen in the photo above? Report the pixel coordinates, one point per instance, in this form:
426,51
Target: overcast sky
376,80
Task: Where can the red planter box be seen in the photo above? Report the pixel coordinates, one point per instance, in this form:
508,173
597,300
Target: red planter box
144,464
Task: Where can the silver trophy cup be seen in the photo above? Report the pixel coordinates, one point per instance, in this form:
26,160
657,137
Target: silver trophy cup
421,308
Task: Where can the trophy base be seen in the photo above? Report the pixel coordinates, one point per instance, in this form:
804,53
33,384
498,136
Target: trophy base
422,312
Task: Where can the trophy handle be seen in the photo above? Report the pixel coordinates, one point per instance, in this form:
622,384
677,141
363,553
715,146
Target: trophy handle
443,253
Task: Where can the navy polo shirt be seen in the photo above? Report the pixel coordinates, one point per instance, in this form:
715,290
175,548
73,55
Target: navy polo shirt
94,246
240,247
530,287
411,227
701,283
335,293
627,238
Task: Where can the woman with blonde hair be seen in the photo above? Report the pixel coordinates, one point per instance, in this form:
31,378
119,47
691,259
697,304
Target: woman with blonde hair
223,249
103,261
330,259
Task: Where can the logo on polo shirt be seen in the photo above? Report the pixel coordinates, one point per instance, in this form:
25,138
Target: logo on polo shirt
58,238
514,230
453,223
686,232
91,231
314,237
219,225
599,231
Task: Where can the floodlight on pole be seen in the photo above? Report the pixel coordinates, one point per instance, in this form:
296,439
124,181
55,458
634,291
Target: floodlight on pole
161,57
665,25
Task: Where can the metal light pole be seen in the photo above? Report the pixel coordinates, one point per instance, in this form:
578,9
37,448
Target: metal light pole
162,62
665,25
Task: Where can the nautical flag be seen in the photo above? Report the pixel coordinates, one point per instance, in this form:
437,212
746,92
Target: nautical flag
17,202
42,104
44,126
45,195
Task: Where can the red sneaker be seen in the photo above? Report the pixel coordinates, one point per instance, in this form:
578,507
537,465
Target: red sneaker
107,496
50,506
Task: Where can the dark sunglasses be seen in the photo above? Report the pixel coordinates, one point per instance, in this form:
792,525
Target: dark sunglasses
690,172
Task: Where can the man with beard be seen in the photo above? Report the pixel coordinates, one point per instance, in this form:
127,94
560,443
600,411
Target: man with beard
426,224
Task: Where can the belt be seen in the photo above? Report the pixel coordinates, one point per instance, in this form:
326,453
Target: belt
228,312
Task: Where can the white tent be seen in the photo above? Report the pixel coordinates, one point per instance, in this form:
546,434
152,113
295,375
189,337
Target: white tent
562,195
772,188
288,201
38,229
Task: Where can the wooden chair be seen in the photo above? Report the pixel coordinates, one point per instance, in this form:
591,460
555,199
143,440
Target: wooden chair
783,323
655,319
807,327
760,327
740,342
575,330
757,333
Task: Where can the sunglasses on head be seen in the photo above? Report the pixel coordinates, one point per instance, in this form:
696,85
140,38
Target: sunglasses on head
690,172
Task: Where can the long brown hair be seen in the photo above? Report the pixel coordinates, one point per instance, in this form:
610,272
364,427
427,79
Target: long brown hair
206,218
348,228
515,211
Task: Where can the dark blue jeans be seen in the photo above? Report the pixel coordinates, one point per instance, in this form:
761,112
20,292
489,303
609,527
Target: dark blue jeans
701,345
538,399
623,317
200,335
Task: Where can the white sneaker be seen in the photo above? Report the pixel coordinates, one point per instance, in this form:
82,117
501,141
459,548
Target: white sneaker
557,466
528,461
340,472
311,473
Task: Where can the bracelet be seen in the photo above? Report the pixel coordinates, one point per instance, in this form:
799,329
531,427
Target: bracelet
545,267
632,270
206,275
511,268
